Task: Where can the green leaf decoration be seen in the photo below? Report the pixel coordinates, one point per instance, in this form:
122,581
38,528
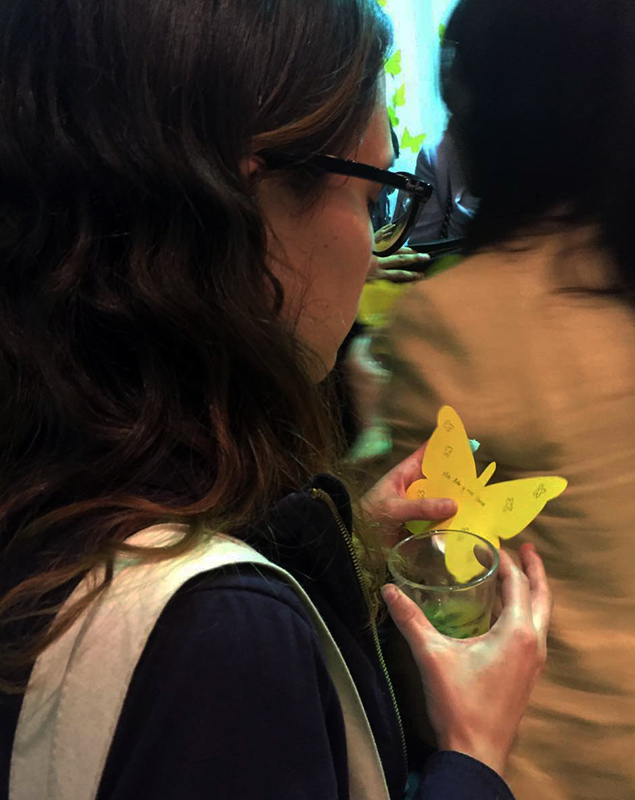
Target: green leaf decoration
383,3
394,119
399,97
410,142
442,30
393,65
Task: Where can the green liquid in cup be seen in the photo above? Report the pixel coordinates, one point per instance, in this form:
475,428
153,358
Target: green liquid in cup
457,618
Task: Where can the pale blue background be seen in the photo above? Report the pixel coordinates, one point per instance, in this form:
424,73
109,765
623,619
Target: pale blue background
417,36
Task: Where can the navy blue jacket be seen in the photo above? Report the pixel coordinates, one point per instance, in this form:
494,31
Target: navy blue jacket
232,700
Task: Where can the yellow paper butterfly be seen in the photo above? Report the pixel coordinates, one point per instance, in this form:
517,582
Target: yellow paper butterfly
495,512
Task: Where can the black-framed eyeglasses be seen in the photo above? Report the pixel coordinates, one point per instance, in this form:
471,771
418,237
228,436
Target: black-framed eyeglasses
400,199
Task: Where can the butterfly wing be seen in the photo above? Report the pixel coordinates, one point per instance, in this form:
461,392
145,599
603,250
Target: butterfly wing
459,553
507,509
512,505
447,466
449,447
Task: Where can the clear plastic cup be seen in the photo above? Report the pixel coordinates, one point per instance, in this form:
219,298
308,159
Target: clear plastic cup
457,609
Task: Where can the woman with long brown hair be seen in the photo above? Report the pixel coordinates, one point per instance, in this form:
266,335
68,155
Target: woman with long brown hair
185,611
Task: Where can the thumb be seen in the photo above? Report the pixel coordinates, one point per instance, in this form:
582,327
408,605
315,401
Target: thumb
433,508
410,620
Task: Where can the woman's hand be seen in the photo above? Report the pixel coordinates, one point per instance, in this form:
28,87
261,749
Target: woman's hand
385,503
477,690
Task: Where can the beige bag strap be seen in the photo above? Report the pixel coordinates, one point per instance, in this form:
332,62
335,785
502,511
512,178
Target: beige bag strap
78,685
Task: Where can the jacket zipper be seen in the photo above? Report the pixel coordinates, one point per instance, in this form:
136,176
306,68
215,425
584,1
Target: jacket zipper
326,498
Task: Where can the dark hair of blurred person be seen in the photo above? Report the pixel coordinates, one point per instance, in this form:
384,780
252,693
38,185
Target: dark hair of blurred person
546,139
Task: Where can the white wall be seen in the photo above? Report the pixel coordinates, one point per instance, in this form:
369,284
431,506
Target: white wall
417,24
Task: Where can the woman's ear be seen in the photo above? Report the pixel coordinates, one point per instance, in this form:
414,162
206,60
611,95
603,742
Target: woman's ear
252,167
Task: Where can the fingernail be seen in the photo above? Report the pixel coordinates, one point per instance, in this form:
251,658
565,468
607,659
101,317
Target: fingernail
423,257
389,592
445,507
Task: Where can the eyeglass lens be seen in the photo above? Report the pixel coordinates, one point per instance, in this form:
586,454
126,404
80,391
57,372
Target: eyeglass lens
390,217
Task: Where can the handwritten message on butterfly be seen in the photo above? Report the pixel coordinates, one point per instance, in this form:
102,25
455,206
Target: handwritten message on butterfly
495,512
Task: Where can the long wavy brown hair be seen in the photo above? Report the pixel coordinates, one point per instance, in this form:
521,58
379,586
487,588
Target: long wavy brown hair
144,373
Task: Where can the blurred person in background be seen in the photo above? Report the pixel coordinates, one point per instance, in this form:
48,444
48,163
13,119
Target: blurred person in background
532,339
452,205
